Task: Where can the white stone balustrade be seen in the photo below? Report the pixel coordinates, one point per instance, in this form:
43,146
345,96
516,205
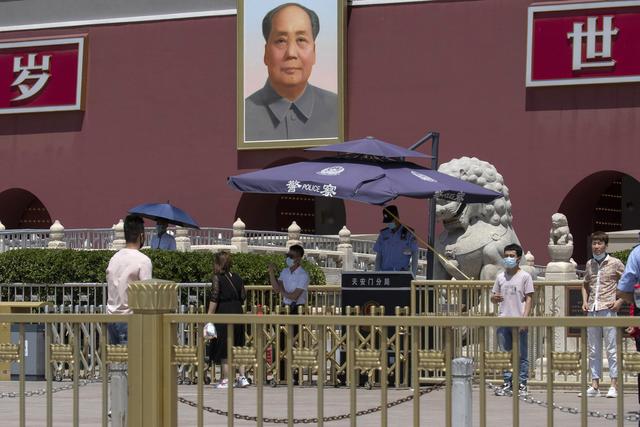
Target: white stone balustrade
293,235
183,242
118,236
239,240
56,236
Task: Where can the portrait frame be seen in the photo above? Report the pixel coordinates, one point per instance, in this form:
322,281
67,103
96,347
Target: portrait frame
249,74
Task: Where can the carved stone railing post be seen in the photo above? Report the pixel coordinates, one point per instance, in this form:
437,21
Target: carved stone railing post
239,240
293,237
118,236
183,241
56,236
152,377
2,228
346,248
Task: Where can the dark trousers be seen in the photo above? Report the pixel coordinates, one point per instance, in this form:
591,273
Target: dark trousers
293,309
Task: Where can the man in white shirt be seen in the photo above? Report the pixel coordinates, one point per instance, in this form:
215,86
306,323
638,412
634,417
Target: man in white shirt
293,285
293,282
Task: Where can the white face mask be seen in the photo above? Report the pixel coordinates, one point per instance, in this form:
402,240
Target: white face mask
509,262
600,257
289,261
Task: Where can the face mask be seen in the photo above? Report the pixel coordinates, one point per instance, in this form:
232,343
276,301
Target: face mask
161,229
509,262
391,226
289,261
600,257
141,242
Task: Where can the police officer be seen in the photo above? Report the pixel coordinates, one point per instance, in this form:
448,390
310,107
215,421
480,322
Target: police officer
396,248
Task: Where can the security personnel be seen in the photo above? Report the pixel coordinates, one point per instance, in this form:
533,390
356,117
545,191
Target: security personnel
396,248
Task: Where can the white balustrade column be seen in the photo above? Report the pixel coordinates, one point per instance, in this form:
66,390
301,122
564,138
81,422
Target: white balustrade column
461,392
183,241
56,236
293,237
346,248
2,228
118,236
239,239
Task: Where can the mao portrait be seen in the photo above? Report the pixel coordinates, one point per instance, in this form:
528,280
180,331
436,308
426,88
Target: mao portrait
291,75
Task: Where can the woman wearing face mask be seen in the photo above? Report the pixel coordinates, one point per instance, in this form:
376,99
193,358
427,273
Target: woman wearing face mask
227,296
602,274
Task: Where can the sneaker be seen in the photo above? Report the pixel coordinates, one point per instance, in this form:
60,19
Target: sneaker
222,384
591,392
612,392
242,382
524,390
505,390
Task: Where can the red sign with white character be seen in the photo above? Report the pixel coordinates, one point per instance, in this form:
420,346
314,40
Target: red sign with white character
583,43
42,75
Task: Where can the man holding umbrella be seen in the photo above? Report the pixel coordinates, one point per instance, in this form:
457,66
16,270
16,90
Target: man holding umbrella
161,239
396,248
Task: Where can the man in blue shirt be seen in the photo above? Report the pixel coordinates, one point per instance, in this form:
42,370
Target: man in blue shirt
396,248
161,239
630,277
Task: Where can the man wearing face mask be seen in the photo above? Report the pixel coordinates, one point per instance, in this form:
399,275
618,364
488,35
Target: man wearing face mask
126,266
513,290
601,277
161,239
396,248
293,281
292,284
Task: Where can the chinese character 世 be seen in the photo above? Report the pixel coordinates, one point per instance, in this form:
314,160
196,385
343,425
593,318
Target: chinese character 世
27,73
592,36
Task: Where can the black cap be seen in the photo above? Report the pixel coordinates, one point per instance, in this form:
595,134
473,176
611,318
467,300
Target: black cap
387,213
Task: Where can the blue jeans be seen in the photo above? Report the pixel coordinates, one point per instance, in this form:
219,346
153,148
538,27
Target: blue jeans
505,343
118,333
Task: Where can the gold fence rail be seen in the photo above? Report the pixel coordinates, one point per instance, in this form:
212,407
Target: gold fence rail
304,354
318,349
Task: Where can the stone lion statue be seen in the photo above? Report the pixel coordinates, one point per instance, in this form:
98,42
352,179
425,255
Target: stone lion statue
474,234
559,233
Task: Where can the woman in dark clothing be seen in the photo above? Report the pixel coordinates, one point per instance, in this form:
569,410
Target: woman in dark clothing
227,296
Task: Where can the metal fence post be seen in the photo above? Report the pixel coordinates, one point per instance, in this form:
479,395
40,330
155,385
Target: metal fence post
152,380
461,393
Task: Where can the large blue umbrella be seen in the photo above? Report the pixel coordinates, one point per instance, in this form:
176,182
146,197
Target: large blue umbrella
371,181
166,212
370,146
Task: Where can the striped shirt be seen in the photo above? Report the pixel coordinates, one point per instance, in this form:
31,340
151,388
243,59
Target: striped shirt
601,282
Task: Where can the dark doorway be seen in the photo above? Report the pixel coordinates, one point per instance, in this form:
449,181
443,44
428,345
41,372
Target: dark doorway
314,215
604,201
22,209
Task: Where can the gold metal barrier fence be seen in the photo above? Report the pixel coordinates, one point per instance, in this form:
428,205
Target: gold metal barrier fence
472,299
153,354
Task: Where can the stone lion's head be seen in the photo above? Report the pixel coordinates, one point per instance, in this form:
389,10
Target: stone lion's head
460,215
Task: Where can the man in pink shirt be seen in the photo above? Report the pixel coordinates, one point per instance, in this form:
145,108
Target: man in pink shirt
126,266
513,290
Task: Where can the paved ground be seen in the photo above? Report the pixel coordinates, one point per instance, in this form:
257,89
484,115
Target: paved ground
337,402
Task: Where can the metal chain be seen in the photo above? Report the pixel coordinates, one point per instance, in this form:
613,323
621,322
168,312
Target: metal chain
43,391
397,402
633,416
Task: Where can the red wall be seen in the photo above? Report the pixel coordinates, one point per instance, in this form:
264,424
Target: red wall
160,116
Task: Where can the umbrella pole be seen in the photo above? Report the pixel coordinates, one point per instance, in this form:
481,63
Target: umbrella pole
431,236
431,251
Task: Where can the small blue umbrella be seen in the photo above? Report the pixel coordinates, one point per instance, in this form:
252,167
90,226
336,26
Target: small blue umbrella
375,182
165,211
